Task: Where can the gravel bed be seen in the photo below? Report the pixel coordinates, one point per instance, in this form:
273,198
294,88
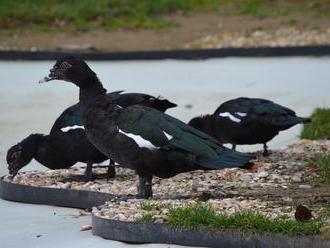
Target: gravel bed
282,37
273,186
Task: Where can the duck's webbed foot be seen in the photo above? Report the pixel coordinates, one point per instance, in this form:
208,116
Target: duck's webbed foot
111,173
88,175
145,187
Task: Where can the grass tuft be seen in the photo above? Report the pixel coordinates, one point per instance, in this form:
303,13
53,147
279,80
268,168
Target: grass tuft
146,218
322,163
201,215
319,128
147,206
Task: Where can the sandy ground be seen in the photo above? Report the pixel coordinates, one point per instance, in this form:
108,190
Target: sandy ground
190,28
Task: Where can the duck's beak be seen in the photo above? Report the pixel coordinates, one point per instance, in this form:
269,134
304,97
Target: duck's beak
13,170
44,80
50,77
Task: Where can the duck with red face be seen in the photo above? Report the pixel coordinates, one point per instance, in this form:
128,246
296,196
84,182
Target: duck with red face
21,154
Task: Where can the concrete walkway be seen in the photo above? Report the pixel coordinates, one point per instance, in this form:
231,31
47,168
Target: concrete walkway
35,226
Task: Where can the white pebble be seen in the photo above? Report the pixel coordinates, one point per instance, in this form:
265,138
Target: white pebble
262,174
305,186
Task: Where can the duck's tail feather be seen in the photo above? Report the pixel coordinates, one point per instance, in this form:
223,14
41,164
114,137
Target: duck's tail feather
305,120
227,159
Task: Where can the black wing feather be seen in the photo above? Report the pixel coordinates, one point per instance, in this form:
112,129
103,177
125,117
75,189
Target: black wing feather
151,124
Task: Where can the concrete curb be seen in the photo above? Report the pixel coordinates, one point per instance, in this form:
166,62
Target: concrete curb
173,54
161,233
52,196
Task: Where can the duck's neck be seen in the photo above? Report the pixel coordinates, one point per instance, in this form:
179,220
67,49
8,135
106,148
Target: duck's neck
30,145
90,88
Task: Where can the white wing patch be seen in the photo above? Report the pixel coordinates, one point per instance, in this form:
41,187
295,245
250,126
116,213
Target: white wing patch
139,140
233,118
230,116
168,136
106,163
241,114
67,129
118,107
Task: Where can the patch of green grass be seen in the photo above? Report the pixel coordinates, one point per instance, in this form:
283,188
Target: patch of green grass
112,14
82,14
319,128
274,8
146,218
322,163
201,215
147,206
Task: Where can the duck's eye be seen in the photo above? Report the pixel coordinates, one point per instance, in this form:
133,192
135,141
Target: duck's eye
66,65
19,148
55,67
15,155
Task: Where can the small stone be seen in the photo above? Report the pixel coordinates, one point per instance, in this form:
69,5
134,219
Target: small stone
84,213
66,186
296,179
159,221
86,228
262,174
121,217
276,212
247,178
275,176
303,213
304,186
325,232
287,199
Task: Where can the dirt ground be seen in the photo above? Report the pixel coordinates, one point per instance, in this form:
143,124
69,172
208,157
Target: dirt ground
191,27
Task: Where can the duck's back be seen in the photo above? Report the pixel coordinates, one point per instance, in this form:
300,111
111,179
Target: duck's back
253,105
71,117
128,99
253,120
258,113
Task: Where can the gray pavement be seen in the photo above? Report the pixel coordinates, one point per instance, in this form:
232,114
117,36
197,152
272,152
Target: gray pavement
35,226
